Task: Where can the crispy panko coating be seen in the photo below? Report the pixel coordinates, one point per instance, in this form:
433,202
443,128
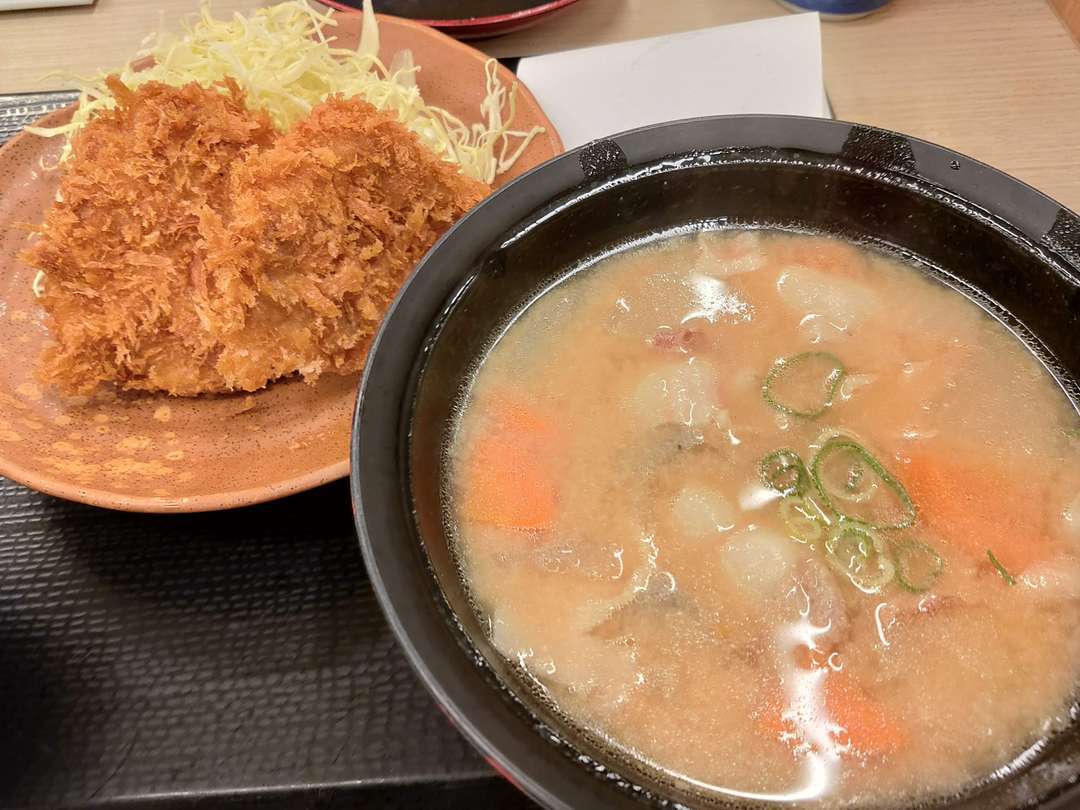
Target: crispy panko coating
193,250
325,226
121,247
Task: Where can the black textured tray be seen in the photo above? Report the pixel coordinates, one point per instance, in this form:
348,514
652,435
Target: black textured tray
198,660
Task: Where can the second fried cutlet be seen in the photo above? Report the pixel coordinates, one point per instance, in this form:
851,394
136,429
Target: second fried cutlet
322,230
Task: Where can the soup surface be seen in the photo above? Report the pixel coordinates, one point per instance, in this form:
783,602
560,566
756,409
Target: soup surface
778,515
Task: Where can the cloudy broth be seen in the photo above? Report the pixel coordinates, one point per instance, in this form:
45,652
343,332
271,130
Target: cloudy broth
778,515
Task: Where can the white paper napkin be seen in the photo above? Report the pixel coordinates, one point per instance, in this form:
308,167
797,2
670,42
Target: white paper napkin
765,66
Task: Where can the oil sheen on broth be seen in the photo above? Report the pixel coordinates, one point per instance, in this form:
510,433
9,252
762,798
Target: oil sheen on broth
778,515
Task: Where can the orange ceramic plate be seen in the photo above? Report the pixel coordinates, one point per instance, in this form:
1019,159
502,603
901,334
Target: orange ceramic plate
153,453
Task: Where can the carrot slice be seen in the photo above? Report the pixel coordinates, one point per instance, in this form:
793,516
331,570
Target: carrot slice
975,505
508,478
866,723
862,722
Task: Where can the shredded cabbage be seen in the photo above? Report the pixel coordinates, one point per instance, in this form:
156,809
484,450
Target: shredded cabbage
283,57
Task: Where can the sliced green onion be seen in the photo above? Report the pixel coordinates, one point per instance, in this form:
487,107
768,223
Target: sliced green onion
803,518
859,554
784,471
857,487
1072,434
803,385
918,565
1005,575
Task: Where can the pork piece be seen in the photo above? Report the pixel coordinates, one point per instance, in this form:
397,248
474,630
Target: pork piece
121,246
323,229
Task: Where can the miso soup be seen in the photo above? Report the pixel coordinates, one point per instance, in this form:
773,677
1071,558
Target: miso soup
778,517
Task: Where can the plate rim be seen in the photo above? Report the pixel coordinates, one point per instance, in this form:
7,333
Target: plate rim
466,22
155,504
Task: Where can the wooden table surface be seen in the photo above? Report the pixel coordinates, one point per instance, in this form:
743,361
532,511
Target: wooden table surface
995,79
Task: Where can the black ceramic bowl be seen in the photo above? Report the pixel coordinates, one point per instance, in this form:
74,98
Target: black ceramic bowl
995,239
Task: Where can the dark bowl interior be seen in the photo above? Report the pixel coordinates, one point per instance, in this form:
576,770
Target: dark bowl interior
1005,245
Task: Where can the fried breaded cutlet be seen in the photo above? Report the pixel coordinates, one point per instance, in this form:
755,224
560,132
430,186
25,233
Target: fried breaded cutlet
194,250
323,229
